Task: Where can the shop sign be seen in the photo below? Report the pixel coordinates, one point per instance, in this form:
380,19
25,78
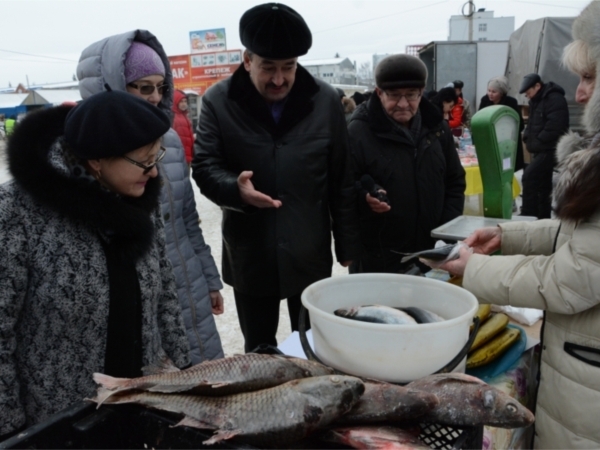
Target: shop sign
208,41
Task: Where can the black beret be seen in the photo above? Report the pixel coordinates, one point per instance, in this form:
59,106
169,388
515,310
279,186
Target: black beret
275,31
113,123
400,71
529,81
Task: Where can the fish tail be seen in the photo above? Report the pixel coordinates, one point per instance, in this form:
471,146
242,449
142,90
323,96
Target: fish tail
109,382
103,396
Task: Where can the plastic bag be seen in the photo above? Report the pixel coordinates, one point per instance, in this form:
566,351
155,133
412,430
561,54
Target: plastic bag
525,316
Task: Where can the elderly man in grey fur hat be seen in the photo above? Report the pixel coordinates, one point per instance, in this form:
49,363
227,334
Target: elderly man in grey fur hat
402,147
272,151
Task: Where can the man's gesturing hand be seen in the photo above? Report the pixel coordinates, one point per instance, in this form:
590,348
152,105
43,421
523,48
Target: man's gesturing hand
251,196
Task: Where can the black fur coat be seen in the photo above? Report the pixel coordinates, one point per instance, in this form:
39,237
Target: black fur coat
54,287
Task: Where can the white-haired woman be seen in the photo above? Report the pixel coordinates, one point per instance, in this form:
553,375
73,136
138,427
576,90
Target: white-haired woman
555,266
497,91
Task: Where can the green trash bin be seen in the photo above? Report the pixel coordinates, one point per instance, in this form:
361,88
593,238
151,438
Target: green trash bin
495,132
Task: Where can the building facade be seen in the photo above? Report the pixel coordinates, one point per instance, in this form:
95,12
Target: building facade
332,71
486,27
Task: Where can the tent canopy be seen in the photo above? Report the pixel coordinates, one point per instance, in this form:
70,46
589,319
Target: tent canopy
536,47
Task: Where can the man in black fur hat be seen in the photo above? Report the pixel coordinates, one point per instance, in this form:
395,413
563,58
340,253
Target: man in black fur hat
402,146
272,151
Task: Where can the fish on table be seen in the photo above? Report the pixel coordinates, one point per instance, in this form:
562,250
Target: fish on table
468,401
376,438
376,314
225,376
386,402
273,417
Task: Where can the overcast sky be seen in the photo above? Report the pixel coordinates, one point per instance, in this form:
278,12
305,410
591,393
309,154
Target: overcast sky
41,40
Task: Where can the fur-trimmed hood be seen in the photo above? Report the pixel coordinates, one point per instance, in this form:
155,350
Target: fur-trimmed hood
126,221
576,193
103,62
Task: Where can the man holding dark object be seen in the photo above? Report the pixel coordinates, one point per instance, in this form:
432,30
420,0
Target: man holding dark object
272,151
403,148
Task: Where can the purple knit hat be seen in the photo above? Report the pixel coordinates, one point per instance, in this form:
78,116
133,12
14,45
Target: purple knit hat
141,61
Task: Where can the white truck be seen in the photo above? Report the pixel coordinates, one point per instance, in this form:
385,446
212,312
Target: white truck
474,63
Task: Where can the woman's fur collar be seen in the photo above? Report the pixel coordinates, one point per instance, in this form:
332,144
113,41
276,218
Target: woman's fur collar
576,193
126,221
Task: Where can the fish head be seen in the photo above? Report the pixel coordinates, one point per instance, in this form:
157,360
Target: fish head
346,312
504,411
351,388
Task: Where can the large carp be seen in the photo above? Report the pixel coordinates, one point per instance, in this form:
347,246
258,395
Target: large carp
274,417
386,402
226,376
468,401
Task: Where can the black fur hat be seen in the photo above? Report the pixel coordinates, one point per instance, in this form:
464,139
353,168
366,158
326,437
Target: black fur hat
113,123
400,71
275,31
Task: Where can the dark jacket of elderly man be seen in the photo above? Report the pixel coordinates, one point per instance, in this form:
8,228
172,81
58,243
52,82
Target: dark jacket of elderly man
402,142
272,151
548,121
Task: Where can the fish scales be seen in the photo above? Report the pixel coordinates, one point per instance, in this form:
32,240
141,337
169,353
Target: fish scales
225,376
274,417
468,401
385,402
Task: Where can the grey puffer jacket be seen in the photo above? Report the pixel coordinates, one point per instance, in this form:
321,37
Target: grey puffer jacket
195,269
54,283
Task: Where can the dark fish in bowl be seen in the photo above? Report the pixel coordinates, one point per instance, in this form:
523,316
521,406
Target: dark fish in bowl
376,314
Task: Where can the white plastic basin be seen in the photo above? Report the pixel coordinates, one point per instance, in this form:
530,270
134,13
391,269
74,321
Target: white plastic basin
395,353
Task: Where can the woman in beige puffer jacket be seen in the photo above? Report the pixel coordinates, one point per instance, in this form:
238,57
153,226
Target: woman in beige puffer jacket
561,270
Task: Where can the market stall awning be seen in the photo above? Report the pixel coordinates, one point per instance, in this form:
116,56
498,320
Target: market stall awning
52,97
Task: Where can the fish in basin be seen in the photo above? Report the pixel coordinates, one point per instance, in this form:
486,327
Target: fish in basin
376,314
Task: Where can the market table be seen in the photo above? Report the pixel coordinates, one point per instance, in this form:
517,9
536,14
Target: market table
519,381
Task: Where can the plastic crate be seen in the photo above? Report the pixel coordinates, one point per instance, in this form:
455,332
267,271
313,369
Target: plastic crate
449,438
82,426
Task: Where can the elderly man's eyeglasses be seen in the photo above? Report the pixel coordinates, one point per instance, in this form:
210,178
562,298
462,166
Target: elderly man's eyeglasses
147,168
148,89
396,96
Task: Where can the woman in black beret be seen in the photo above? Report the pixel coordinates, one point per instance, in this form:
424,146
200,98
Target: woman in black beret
86,285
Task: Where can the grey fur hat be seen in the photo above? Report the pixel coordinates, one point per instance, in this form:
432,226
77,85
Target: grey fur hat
400,71
586,27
